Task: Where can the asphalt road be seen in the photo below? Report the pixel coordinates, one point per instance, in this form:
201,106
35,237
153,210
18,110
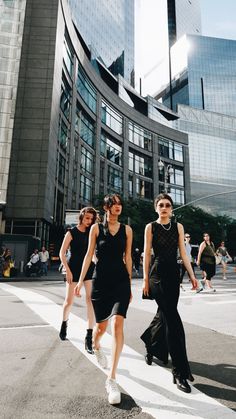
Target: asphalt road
42,377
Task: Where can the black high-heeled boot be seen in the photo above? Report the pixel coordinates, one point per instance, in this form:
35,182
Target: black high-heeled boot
148,358
182,384
88,341
63,331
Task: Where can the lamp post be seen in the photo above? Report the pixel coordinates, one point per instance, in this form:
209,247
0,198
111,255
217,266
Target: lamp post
168,170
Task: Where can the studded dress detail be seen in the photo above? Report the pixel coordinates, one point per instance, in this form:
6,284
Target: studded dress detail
165,335
111,283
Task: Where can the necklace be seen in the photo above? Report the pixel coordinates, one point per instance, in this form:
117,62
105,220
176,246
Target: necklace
168,228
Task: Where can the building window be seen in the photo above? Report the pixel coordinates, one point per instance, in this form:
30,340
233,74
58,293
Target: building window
177,177
85,189
130,185
114,179
86,90
85,126
144,189
63,135
86,160
62,170
65,100
177,195
68,56
141,165
110,149
111,118
170,150
140,137
178,152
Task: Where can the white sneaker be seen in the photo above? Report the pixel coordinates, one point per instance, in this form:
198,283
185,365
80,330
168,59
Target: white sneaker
113,391
101,357
212,290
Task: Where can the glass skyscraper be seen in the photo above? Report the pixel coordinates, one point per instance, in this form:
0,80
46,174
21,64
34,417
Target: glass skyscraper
203,74
212,156
107,27
179,17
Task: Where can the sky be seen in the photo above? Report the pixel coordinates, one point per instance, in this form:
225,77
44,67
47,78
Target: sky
219,18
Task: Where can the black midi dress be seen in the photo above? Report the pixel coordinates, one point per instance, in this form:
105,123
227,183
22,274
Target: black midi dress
111,283
78,249
165,335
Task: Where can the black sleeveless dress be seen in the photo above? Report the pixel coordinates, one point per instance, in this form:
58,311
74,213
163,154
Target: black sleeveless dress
111,283
166,333
78,248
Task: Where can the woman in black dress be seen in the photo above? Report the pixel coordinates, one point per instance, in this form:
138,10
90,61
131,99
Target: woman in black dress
207,261
76,239
111,291
166,333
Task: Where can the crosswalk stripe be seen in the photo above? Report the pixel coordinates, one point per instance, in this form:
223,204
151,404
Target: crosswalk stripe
150,387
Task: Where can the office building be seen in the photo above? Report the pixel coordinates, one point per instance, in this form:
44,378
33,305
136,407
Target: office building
174,19
78,135
203,74
212,154
107,28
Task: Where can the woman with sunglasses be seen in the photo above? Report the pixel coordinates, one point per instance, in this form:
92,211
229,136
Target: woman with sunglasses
206,260
111,292
224,257
166,333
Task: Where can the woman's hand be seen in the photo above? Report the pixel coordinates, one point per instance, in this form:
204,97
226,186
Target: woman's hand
145,287
78,288
69,276
194,282
131,297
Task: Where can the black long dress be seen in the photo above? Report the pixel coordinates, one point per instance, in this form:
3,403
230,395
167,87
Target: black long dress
111,283
165,335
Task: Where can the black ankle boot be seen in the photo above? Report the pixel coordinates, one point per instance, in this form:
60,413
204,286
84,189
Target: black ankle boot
88,341
182,384
148,358
63,330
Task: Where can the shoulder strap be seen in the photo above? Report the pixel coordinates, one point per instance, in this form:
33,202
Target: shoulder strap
153,225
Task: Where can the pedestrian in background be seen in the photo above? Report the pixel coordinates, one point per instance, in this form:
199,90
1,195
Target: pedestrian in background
166,333
225,257
111,293
44,257
188,249
206,260
76,239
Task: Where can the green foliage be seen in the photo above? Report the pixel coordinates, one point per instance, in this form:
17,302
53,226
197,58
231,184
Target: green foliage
139,212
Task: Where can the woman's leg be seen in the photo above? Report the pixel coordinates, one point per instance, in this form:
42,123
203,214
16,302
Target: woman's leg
66,308
117,343
98,332
69,299
90,312
223,269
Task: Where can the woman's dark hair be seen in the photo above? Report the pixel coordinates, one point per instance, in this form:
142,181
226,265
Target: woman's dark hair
87,210
108,201
162,196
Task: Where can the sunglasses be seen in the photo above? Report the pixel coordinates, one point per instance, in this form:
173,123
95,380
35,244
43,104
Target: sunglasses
164,205
187,237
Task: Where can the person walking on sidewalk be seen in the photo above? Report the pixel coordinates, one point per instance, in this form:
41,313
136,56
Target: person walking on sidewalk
76,239
44,256
225,257
111,292
166,333
206,260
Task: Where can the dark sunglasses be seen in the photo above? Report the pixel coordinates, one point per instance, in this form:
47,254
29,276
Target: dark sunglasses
164,205
187,237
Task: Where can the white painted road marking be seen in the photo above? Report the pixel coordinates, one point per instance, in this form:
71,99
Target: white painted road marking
150,387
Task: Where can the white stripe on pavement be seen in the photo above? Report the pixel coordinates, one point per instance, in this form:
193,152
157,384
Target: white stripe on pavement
150,387
24,327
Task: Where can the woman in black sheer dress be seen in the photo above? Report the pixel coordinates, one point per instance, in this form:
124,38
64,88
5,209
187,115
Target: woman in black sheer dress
165,335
